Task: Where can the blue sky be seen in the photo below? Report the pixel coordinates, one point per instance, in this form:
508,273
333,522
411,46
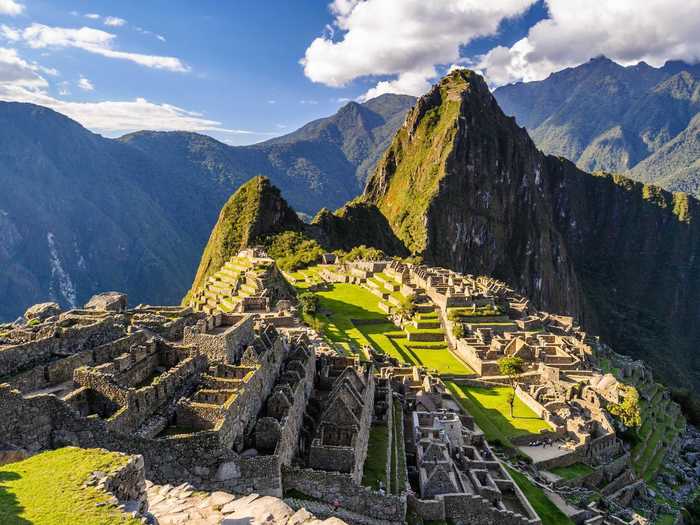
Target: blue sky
232,69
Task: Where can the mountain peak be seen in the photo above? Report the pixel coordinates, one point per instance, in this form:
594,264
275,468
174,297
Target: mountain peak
256,209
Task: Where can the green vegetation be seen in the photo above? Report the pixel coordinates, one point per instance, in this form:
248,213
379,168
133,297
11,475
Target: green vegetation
33,322
349,316
454,314
47,489
415,163
339,307
398,480
375,464
547,511
511,366
628,410
364,253
293,250
308,302
490,408
572,471
239,225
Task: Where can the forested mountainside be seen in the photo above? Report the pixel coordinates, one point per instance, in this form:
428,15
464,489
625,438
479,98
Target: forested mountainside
80,213
639,120
463,185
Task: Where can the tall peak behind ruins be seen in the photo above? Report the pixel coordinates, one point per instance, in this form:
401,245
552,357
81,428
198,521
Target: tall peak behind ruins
465,187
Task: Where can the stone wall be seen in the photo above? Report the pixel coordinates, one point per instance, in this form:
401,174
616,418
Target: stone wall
341,489
222,337
61,341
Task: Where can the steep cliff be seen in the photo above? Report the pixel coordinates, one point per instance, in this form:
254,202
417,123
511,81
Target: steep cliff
255,210
464,186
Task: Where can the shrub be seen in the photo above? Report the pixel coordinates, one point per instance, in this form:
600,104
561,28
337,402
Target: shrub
308,302
33,322
293,250
362,253
458,330
628,410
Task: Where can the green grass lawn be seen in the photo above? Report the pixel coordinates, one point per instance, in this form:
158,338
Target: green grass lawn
490,409
572,471
46,489
375,464
344,303
548,511
438,358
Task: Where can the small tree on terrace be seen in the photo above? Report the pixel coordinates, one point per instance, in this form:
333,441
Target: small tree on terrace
406,309
308,302
511,367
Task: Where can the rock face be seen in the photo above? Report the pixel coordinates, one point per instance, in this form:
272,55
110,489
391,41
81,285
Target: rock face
256,209
42,311
108,302
464,186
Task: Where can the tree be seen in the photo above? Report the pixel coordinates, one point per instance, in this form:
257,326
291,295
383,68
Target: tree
511,367
628,410
458,330
406,308
308,302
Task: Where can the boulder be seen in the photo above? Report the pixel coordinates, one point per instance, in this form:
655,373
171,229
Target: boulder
108,302
42,311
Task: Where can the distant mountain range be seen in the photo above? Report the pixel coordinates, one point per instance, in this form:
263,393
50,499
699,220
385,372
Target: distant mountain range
638,120
80,213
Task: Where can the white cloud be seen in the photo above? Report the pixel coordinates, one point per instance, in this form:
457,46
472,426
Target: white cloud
85,84
626,31
92,16
403,39
272,102
16,71
113,21
39,36
308,102
10,7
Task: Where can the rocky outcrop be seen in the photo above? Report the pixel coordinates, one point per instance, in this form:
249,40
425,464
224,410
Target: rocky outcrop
108,302
466,188
42,311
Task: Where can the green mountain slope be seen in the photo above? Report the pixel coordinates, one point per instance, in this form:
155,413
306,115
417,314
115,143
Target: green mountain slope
604,116
465,187
254,210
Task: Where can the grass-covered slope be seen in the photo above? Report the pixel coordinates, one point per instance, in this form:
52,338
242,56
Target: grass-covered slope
47,489
412,167
466,188
255,210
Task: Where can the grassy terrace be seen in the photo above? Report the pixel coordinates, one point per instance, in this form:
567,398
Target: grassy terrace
46,489
548,511
572,471
349,316
375,464
490,409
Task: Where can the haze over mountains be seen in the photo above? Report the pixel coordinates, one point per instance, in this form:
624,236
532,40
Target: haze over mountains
639,120
80,213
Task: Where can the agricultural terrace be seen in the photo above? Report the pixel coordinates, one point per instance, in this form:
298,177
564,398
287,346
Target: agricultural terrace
349,316
491,411
47,489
